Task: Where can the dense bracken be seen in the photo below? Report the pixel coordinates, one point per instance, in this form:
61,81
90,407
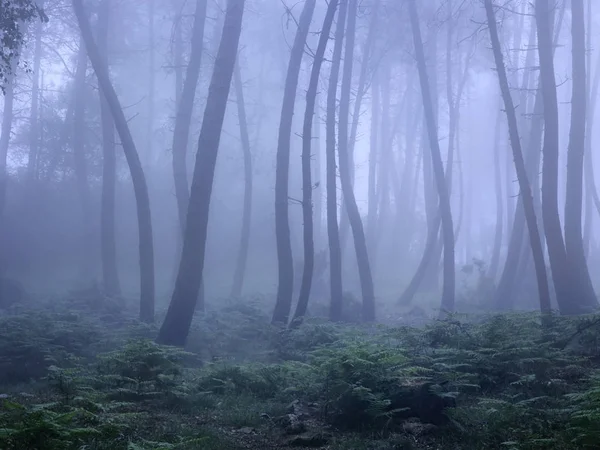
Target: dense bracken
96,380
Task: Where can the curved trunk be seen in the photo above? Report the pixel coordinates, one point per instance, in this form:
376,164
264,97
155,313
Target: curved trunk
580,280
445,213
524,186
175,328
311,94
335,253
146,245
285,284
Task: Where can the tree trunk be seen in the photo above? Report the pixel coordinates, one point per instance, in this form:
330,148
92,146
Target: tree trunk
335,252
79,161
110,275
34,134
311,94
240,267
552,226
151,70
373,151
285,286
175,328
184,114
447,304
146,245
524,186
580,282
360,244
493,269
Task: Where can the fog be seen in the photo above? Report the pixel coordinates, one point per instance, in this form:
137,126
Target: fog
51,235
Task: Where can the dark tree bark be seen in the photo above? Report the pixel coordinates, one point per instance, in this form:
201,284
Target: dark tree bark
553,230
445,213
580,281
108,243
240,267
184,114
524,186
285,286
360,243
335,252
175,328
146,245
307,186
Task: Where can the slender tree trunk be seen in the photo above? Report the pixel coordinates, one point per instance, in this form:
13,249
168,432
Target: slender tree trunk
285,286
447,304
184,114
240,267
552,226
175,328
34,134
79,160
525,187
335,252
580,281
146,244
110,274
311,94
318,188
493,270
360,244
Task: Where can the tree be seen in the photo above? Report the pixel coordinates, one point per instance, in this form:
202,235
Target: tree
333,233
525,187
360,244
240,266
285,283
176,326
552,227
307,185
146,245
580,280
108,243
445,212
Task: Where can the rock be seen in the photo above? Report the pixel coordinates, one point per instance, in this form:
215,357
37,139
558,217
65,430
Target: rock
417,428
291,424
312,440
246,430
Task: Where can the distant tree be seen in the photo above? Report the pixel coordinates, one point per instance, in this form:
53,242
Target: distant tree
146,244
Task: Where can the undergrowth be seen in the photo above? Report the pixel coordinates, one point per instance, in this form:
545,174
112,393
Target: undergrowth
75,377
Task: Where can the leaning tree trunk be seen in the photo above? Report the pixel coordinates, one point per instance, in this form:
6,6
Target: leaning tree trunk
240,266
108,243
580,281
146,245
554,239
183,121
307,216
447,304
285,286
360,243
524,186
333,233
175,328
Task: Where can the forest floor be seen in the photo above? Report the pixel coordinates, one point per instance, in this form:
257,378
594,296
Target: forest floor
83,373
